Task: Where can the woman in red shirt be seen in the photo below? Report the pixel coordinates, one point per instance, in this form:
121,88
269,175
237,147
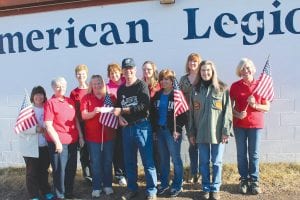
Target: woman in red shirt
100,139
248,121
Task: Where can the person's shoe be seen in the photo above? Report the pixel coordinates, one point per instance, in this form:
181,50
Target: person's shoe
215,196
34,199
205,195
243,187
151,197
122,181
129,195
96,193
49,196
161,190
175,193
254,188
88,179
108,190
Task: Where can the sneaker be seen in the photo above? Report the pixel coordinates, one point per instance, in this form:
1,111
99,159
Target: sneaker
108,190
122,181
151,197
161,190
215,196
254,188
129,195
243,187
49,196
175,193
96,193
205,195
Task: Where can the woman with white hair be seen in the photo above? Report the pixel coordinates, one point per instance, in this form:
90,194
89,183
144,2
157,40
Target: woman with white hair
63,131
248,121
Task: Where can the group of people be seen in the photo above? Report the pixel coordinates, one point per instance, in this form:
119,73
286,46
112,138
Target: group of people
148,123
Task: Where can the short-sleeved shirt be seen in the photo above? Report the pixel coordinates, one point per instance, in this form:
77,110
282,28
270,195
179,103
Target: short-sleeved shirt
93,129
62,114
76,95
239,93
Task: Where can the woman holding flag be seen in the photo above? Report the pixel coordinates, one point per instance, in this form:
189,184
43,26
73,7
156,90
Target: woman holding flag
99,136
248,121
167,125
210,126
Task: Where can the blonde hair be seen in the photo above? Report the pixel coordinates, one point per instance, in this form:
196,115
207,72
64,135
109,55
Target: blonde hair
100,79
192,56
244,62
154,79
218,85
80,68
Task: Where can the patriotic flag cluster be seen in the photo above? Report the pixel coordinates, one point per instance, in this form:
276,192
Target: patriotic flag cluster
108,119
26,118
180,104
265,87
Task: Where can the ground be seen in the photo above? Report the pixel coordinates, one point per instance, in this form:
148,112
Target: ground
278,181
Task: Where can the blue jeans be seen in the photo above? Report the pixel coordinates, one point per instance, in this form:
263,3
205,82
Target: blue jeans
64,166
247,147
101,163
139,137
167,147
194,159
211,153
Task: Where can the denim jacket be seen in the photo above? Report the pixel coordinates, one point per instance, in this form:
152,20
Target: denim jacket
210,115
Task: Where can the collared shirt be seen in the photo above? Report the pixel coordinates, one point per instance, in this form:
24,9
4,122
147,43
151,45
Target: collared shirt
239,93
62,114
93,129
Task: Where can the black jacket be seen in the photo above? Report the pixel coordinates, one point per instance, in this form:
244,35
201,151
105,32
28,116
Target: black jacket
154,112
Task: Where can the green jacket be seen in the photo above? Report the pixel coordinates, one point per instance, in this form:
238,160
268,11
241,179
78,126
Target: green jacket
210,115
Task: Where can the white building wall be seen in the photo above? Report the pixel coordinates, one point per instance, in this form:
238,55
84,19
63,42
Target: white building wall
168,26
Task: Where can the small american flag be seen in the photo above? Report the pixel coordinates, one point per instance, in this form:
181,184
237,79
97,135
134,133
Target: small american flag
264,88
26,118
108,119
180,104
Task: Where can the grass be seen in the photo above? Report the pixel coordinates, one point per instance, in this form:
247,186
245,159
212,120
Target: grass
276,178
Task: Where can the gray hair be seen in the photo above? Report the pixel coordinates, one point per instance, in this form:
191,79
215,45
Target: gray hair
57,80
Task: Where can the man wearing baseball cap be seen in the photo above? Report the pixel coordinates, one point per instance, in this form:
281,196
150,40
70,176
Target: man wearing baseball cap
133,103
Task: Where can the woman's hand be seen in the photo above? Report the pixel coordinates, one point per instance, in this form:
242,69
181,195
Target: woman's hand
225,139
58,147
81,142
252,102
176,136
192,140
241,115
122,121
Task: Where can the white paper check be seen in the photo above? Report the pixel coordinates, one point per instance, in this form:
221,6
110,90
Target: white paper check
106,109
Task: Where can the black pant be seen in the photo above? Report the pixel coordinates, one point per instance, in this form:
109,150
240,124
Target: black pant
118,158
37,173
85,160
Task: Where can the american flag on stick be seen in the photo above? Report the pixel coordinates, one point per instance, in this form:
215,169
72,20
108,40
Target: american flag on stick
26,118
108,119
264,88
180,104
